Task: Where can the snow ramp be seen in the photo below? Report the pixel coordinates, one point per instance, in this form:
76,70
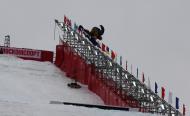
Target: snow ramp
27,87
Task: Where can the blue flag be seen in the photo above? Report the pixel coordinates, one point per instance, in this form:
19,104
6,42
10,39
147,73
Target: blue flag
177,103
156,88
107,49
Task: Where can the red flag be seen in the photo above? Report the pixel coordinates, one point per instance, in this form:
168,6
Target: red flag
163,92
143,79
103,47
113,55
65,19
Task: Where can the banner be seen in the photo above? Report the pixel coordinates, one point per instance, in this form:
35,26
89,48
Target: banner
21,52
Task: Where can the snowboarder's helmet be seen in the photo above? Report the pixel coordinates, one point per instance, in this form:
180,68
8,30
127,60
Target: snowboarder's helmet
97,32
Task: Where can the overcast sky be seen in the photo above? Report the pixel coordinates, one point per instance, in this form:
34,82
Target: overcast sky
151,34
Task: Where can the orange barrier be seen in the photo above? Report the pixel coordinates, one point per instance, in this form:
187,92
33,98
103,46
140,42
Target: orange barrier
29,54
76,68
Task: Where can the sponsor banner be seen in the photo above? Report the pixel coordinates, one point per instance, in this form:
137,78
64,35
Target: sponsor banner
22,52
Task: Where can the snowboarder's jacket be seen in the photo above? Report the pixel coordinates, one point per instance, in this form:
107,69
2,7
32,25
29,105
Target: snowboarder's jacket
94,34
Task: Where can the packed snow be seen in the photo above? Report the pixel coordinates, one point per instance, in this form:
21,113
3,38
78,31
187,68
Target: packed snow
27,87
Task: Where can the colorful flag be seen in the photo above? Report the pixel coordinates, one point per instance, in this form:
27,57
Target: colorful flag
107,50
177,103
163,92
126,65
184,109
113,54
75,27
170,98
143,79
121,60
103,47
69,23
65,19
156,88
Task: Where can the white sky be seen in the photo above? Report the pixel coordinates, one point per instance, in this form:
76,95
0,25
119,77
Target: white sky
151,34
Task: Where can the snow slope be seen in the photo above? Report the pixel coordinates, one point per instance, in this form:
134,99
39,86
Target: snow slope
27,87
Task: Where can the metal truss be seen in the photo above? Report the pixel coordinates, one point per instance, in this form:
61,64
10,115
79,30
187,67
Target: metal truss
125,84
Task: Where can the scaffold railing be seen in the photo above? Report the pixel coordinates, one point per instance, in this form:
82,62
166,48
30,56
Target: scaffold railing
126,83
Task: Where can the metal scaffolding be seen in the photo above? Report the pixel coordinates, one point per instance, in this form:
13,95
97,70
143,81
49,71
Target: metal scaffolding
7,41
125,84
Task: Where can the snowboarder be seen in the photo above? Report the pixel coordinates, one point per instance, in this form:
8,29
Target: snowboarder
93,35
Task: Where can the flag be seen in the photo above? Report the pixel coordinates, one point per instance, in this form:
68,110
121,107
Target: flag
177,103
156,88
121,60
113,54
126,64
184,109
137,72
163,92
107,50
103,47
170,98
69,23
65,19
75,27
143,79
149,85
